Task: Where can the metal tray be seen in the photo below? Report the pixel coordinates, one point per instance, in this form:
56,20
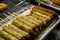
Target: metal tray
50,6
11,4
54,34
4,16
23,10
48,30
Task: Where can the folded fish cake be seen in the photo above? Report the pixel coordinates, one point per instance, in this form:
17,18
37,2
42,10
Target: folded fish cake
26,22
33,26
51,12
56,2
34,18
21,25
18,30
43,15
40,11
7,36
12,32
56,5
3,7
42,21
38,17
24,34
2,38
30,20
27,27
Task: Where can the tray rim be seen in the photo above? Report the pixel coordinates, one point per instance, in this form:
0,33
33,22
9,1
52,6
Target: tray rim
49,30
50,6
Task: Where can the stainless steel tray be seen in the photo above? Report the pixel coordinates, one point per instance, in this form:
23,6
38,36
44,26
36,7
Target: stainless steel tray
23,10
11,4
54,34
4,16
47,30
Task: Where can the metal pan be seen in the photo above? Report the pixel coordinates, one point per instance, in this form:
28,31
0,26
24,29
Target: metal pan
23,9
12,6
54,34
9,13
47,30
10,3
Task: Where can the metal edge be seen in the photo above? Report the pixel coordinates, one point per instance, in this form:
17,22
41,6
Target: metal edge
48,31
50,6
14,7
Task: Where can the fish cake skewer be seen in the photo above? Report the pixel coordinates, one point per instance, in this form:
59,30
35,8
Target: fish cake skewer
41,20
34,18
24,34
37,16
7,36
44,20
26,18
45,9
56,2
12,32
31,30
2,38
22,26
46,13
25,21
32,21
56,5
18,30
40,14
